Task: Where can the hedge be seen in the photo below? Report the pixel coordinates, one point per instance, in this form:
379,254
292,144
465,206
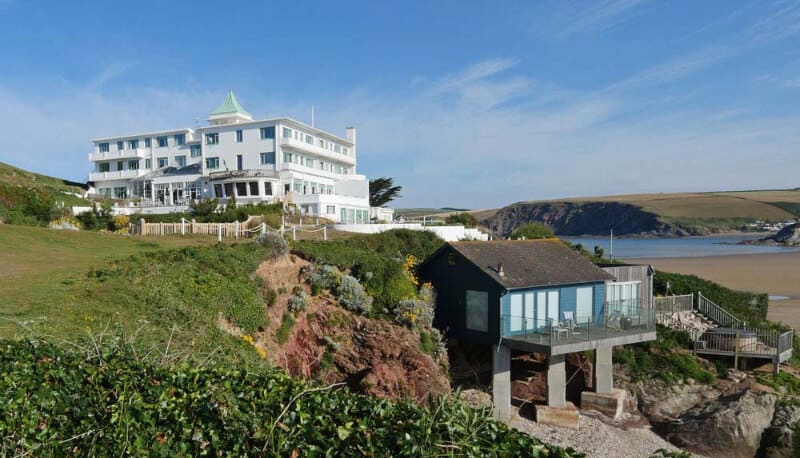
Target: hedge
104,401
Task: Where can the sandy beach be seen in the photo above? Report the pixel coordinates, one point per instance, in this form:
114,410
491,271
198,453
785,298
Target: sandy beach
776,274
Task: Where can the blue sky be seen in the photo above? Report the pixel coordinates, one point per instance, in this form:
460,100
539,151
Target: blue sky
468,104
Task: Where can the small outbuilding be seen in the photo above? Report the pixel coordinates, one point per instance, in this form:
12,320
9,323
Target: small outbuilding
535,296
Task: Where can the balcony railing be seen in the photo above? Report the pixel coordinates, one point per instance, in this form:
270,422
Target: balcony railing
303,146
124,154
115,175
617,319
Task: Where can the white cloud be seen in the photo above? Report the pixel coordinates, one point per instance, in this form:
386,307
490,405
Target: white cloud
564,19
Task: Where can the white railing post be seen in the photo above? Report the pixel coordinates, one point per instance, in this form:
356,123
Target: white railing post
236,230
294,232
183,226
263,228
324,232
219,232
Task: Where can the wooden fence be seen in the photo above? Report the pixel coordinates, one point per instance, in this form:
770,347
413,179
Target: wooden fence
237,229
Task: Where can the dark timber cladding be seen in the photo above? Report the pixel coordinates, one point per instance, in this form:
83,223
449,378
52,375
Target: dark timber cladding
491,270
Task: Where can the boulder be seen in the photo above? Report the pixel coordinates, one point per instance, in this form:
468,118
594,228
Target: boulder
660,402
778,439
729,427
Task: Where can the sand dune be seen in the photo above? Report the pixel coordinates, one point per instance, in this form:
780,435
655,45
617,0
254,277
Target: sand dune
776,274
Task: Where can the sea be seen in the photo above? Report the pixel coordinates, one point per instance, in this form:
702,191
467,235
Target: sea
712,245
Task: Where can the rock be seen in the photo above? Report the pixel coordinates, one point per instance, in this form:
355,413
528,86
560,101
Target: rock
661,403
730,427
789,235
63,225
778,439
476,398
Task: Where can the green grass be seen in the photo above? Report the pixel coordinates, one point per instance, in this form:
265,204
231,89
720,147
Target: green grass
668,358
72,285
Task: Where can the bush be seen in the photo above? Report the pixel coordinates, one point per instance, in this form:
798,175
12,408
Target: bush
99,217
108,402
287,323
532,230
120,223
667,358
352,296
298,301
414,313
270,297
323,277
273,243
464,218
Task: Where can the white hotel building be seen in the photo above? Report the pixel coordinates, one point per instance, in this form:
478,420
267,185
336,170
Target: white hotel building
262,160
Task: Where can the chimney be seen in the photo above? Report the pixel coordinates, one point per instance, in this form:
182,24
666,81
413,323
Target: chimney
351,133
500,270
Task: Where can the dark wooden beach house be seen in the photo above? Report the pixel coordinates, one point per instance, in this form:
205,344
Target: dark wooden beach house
533,296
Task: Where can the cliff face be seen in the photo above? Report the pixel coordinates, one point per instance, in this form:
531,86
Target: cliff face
590,218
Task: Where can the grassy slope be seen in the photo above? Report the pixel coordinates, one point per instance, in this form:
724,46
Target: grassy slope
69,285
55,186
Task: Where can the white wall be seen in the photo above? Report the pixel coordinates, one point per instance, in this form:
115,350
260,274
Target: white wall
446,233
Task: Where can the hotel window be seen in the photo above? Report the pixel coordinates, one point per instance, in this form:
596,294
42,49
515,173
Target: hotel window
239,136
241,189
218,190
212,139
309,162
344,151
331,209
133,144
287,157
103,167
268,158
228,189
195,150
212,162
180,139
337,148
163,162
148,143
267,132
180,161
119,165
309,139
133,165
267,188
253,188
120,146
297,186
148,163
162,142
287,133
121,193
103,147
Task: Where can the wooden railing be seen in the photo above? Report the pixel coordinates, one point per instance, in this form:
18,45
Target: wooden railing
717,314
236,229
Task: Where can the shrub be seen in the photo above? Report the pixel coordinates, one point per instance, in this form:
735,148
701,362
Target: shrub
298,301
352,296
323,277
203,208
287,323
120,223
414,313
99,217
108,402
273,243
270,297
532,230
463,218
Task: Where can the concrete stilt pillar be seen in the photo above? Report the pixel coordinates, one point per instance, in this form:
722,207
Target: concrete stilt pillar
501,382
556,381
603,370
